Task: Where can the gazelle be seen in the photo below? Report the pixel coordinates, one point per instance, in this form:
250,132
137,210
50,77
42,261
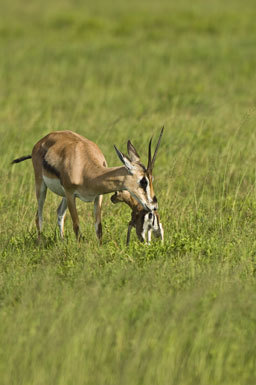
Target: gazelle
143,221
74,167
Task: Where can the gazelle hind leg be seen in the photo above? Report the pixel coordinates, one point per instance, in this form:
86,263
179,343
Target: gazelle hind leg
97,215
61,211
41,190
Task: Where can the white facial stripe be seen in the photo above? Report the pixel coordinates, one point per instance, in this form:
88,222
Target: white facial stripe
148,191
148,199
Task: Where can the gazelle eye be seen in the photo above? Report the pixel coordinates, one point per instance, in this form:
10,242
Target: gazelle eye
143,183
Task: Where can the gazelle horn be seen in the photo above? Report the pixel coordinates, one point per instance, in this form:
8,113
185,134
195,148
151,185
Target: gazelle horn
150,160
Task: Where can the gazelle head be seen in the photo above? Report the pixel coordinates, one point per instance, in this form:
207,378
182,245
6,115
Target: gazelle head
139,179
123,196
144,222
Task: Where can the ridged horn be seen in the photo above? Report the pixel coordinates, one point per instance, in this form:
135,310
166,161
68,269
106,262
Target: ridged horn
151,161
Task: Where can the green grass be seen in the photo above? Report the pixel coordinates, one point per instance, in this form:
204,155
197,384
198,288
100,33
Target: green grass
179,313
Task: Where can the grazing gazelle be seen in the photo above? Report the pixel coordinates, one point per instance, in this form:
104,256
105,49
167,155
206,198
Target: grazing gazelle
143,221
74,167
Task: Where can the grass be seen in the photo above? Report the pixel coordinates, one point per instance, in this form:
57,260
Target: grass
178,313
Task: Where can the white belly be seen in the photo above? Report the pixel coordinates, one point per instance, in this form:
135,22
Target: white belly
54,185
85,198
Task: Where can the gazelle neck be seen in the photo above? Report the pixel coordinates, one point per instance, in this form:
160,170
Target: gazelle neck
112,179
133,204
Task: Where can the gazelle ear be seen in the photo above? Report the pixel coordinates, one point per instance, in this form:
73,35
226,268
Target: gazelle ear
134,156
125,160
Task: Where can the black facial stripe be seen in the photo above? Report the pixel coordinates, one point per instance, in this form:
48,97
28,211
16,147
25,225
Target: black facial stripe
50,168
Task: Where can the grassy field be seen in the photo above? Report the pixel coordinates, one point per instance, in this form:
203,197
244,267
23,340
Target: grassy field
182,313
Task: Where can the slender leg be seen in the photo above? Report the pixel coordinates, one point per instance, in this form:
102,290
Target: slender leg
144,230
142,237
41,190
161,232
130,226
71,203
62,210
149,235
141,233
97,215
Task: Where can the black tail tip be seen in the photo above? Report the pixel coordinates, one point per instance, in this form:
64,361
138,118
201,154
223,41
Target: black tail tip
18,160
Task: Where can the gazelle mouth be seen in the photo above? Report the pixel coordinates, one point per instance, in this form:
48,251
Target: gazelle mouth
147,208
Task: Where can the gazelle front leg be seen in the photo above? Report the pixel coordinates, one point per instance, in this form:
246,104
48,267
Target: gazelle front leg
161,232
149,236
142,235
41,190
71,203
97,215
62,210
130,226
